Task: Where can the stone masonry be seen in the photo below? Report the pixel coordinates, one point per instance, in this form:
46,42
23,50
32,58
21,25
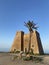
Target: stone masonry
21,42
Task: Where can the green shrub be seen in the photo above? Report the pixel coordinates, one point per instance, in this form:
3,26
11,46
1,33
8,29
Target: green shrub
26,58
37,59
17,51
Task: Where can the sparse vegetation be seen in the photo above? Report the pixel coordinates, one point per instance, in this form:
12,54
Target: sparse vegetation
17,51
26,58
13,58
35,59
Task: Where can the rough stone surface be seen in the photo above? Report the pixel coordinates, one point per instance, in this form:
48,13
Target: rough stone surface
18,42
21,42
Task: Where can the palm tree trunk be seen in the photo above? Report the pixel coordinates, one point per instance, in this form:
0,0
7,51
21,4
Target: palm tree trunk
29,42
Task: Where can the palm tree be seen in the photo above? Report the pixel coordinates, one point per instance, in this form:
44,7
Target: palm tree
31,26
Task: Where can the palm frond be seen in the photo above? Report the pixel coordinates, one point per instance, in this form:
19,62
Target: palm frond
31,25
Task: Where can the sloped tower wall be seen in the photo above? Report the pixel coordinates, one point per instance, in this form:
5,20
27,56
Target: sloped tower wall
26,42
18,42
36,44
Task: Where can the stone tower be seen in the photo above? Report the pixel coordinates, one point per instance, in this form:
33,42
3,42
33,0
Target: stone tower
21,42
18,41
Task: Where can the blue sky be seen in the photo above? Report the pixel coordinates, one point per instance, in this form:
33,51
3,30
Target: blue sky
13,13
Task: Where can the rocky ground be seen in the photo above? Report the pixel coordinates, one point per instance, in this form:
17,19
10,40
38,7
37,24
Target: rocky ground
7,59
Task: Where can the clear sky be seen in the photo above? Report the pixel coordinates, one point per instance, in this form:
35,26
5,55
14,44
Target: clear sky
13,13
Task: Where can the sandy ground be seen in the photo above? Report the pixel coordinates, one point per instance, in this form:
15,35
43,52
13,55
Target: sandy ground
6,59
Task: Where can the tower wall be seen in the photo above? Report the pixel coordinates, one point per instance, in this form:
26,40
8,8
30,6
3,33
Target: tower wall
36,44
39,43
26,42
18,41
